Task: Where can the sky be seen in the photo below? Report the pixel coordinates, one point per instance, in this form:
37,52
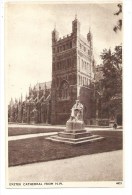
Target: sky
28,28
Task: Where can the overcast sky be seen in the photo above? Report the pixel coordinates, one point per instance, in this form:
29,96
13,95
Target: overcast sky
28,38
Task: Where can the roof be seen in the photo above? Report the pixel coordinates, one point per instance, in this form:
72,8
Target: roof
43,85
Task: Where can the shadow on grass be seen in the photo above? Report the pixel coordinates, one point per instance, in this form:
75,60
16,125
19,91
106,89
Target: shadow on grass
39,149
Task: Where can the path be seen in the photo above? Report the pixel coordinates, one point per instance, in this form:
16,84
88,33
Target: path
62,127
18,137
96,167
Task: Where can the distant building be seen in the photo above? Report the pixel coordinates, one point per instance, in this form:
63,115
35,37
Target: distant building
99,73
36,108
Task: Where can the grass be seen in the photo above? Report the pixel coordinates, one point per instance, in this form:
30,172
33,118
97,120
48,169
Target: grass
39,149
13,131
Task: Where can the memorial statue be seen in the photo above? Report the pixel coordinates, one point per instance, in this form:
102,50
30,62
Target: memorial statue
75,132
75,123
77,111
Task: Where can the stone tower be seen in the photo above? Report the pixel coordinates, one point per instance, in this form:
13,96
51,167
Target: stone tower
72,72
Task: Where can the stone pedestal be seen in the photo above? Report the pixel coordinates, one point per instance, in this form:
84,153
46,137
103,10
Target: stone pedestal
75,133
74,125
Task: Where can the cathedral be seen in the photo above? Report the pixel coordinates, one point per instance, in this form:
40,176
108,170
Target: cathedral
73,73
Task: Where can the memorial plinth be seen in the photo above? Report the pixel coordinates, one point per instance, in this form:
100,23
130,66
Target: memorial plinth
75,132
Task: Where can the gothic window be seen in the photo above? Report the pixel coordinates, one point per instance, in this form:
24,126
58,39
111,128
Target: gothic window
85,81
64,90
63,64
81,80
87,66
82,64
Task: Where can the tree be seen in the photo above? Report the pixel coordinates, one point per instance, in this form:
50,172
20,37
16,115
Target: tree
111,83
118,26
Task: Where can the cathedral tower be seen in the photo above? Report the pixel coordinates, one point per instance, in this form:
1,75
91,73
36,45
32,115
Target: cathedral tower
72,72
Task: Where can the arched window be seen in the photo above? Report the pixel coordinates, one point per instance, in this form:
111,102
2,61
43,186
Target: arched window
81,81
85,66
87,81
64,90
60,48
82,64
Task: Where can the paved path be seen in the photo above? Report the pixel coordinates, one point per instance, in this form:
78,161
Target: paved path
61,127
95,167
18,137
36,126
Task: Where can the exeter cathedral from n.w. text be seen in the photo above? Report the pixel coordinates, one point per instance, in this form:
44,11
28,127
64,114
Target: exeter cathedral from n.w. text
73,72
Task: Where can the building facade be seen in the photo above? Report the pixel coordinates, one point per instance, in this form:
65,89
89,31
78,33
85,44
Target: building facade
72,73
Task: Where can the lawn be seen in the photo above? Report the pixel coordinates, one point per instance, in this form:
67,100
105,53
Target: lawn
13,131
39,149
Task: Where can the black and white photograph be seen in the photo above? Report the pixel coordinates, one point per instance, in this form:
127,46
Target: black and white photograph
64,75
